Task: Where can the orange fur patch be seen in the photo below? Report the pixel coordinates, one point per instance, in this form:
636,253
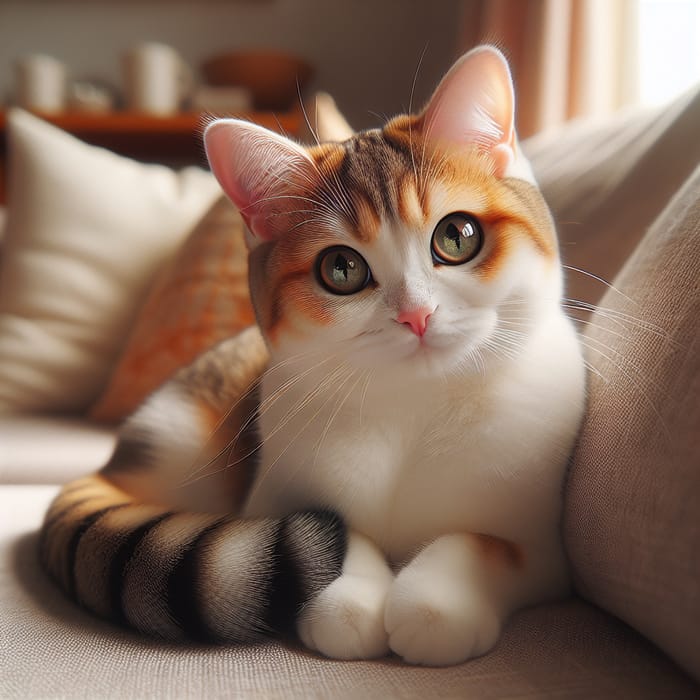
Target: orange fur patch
328,157
411,206
404,132
512,210
497,550
368,220
293,293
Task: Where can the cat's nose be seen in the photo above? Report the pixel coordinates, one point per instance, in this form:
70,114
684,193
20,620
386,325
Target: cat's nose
416,319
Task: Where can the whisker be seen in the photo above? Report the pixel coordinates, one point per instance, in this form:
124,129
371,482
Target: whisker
615,315
291,414
305,115
410,111
598,279
368,381
246,424
637,384
319,389
270,401
336,411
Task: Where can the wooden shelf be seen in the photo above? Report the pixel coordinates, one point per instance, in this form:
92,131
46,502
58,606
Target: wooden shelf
133,123
174,140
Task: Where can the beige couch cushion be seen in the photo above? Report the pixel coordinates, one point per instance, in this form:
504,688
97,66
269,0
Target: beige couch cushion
607,181
86,230
50,450
51,649
633,498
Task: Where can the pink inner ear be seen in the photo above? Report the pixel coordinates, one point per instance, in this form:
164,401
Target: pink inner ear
259,171
220,142
474,104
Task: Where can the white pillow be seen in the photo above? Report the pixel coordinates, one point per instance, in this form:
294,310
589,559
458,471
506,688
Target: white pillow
86,230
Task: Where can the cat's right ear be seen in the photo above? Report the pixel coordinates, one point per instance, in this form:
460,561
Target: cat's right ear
261,172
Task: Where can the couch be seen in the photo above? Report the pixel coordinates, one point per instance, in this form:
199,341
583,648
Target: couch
106,277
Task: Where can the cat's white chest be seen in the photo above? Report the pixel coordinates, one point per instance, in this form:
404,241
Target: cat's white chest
404,462
400,466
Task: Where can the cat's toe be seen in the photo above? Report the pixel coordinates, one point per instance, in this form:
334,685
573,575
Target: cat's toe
438,626
346,620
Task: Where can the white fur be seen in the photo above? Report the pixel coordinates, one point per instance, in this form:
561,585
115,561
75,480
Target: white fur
418,443
346,620
234,571
177,441
520,167
441,608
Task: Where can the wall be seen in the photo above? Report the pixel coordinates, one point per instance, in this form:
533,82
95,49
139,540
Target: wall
366,51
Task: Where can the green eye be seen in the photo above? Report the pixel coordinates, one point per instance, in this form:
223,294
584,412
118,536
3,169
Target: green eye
342,270
457,239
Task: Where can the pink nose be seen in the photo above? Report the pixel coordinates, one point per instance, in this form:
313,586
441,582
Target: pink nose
416,319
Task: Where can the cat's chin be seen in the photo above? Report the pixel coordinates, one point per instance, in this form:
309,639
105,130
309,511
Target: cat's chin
441,360
424,358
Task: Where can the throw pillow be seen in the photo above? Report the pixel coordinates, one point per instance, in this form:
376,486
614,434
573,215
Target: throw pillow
200,299
86,230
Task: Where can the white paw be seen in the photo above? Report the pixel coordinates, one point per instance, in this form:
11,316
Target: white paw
346,619
438,625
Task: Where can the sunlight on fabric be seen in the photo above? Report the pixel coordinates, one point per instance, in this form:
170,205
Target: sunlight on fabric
669,48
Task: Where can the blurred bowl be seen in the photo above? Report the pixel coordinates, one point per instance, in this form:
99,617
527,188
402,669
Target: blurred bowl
273,78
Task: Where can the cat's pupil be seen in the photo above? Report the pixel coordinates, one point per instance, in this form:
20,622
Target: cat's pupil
342,265
455,236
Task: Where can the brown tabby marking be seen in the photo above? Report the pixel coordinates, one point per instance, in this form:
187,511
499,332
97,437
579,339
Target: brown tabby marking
69,517
100,543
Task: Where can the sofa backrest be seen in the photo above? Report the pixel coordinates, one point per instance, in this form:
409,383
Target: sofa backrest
632,520
606,181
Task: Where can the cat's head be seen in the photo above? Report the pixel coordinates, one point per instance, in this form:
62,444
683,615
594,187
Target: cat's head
424,242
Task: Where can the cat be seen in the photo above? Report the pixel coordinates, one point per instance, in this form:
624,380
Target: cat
377,466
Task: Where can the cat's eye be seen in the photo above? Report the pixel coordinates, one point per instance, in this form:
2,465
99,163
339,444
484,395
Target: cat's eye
456,240
342,270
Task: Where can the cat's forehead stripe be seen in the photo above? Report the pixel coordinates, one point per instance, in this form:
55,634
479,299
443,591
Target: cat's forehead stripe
375,176
412,203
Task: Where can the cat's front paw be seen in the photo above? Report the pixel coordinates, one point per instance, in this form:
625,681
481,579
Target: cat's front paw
438,624
346,619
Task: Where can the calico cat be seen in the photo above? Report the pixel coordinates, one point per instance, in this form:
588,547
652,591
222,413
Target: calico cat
377,465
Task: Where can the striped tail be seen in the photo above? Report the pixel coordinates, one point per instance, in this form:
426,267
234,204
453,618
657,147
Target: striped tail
178,575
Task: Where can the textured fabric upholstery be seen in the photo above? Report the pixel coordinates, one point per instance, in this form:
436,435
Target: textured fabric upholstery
607,181
50,649
632,513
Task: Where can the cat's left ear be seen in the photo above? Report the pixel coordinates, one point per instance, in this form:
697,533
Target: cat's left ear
475,104
262,173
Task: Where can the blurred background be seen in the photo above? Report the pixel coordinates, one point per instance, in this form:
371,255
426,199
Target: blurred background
570,57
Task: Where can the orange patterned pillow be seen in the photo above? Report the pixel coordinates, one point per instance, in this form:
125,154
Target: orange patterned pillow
199,299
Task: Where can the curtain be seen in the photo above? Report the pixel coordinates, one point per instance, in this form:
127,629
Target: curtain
570,58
